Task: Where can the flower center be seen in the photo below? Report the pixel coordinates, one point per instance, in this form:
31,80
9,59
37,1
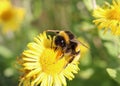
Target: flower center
114,14
51,62
7,15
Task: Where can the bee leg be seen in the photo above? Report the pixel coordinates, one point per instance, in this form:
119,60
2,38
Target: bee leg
52,43
55,48
61,56
60,53
70,60
77,52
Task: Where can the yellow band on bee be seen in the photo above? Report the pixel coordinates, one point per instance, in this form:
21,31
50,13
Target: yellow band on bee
62,33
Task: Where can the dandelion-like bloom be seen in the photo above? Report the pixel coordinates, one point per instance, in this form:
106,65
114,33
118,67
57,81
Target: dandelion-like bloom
108,18
10,16
43,65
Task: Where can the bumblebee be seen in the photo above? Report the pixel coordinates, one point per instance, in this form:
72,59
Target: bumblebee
67,42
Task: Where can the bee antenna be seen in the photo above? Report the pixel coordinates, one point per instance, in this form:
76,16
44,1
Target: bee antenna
79,43
84,45
56,31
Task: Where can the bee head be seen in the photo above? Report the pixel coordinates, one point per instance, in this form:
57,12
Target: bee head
60,41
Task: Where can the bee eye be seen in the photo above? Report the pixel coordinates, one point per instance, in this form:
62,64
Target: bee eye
60,41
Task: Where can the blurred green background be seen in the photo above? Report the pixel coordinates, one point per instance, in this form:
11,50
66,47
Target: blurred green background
73,15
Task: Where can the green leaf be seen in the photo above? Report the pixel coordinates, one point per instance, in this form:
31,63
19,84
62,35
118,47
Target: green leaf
114,73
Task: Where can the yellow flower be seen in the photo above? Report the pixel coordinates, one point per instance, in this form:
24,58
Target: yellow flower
43,65
10,16
108,17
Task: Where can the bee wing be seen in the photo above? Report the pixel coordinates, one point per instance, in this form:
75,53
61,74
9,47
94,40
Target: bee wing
74,40
55,31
